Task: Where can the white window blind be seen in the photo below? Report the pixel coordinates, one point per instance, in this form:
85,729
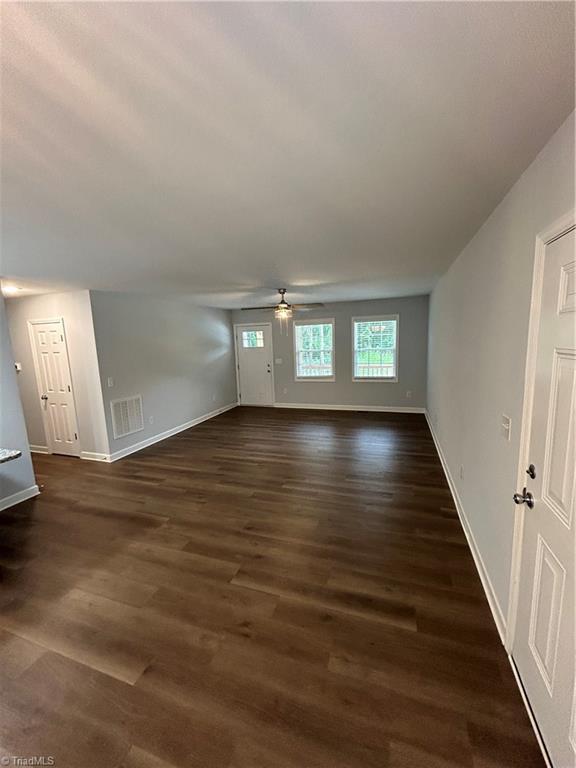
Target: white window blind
314,349
376,348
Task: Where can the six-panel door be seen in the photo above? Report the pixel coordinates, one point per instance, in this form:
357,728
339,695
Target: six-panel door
55,387
544,650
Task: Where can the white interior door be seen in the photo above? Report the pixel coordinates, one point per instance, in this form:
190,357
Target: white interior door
55,386
543,648
254,356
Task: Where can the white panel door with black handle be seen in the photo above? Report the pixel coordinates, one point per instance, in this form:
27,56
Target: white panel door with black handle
54,383
254,358
544,648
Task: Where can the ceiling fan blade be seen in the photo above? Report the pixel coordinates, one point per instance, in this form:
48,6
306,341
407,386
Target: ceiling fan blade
248,309
307,306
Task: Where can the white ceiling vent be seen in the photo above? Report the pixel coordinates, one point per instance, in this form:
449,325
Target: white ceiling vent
127,415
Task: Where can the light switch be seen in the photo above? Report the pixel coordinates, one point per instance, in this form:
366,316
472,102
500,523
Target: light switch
278,361
506,427
110,381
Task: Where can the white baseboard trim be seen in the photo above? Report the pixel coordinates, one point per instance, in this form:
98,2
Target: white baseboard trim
493,602
530,713
91,456
374,408
169,433
16,498
39,449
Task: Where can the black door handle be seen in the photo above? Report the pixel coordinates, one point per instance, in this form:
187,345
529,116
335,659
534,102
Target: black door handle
524,498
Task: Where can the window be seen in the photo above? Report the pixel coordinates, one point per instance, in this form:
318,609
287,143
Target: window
251,339
314,349
376,347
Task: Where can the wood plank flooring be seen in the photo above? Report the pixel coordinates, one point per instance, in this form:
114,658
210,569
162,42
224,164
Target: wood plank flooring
270,589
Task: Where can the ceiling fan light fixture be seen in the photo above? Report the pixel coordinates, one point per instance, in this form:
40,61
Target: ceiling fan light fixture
283,310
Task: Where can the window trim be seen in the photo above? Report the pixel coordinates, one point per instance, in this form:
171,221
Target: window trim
369,379
314,321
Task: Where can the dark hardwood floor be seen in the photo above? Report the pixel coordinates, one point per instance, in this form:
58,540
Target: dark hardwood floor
270,589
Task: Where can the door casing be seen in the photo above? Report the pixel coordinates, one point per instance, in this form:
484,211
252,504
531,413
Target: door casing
237,327
31,324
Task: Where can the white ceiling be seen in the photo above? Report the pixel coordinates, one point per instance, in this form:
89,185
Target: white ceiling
344,150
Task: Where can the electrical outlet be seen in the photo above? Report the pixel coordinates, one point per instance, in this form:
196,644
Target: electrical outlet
214,398
150,419
285,391
408,394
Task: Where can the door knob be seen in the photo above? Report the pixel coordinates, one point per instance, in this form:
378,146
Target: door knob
524,498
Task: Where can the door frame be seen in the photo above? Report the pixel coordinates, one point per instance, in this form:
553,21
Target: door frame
31,324
237,362
557,229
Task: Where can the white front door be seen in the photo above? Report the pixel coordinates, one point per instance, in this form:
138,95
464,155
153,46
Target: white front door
254,356
55,386
543,648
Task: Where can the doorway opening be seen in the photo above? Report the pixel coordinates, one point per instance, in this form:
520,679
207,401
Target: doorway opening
57,370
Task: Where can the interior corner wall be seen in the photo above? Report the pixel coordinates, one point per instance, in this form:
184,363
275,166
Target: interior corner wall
479,314
74,307
17,480
343,391
178,356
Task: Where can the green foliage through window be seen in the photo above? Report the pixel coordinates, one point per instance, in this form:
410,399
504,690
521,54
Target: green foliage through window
375,349
314,350
251,339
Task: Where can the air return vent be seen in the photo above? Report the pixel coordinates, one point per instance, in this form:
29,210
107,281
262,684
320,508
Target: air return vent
127,415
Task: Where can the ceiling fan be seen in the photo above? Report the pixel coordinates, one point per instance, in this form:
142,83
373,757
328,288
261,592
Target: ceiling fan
283,310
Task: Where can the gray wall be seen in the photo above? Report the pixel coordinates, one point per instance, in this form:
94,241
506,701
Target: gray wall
413,334
178,356
74,308
478,341
16,477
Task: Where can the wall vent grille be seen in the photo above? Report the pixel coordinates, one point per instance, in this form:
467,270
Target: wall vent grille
127,416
